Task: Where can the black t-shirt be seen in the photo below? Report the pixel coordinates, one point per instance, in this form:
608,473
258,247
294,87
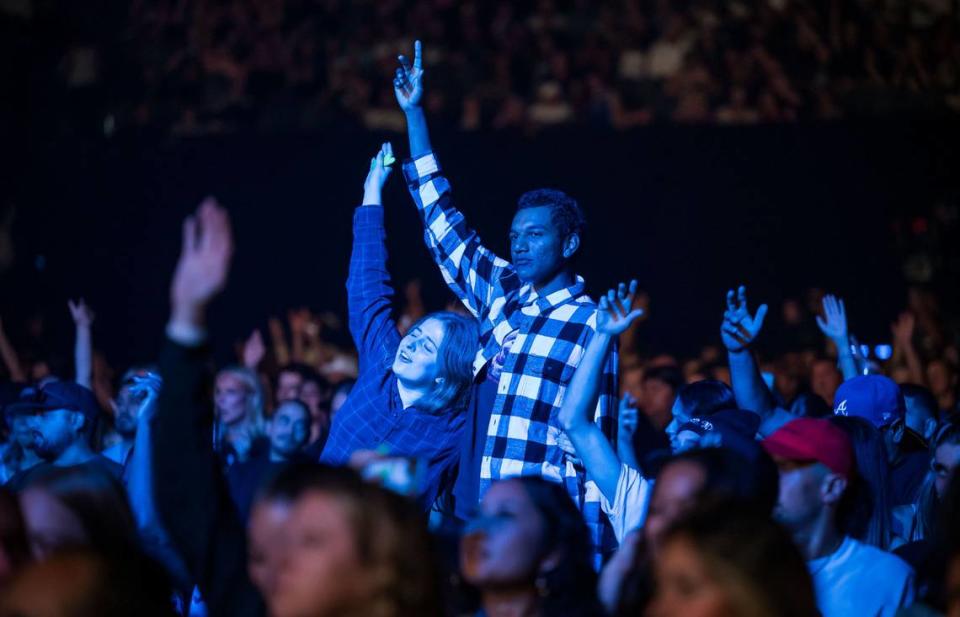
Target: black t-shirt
466,489
98,463
246,478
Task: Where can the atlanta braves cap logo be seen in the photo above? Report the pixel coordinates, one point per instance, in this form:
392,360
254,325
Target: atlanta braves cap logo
841,409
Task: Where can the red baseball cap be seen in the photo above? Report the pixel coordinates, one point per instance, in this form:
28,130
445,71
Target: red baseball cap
813,439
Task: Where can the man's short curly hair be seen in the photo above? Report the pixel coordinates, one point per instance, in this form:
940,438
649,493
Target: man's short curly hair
565,211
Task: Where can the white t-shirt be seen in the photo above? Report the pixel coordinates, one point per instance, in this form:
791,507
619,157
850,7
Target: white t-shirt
628,510
858,579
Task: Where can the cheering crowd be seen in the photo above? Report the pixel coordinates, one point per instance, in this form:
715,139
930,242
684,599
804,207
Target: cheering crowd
509,456
189,67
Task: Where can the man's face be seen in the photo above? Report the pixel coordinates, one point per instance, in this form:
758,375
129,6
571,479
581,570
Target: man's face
288,385
53,432
288,430
127,405
536,246
825,379
800,501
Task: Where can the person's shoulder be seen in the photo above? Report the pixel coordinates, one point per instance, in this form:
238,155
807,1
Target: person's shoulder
109,465
877,559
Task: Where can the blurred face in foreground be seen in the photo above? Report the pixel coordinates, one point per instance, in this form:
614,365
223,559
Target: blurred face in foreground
321,572
503,545
685,586
51,525
267,540
675,492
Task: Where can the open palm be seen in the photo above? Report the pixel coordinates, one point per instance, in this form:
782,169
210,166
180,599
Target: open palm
739,327
615,314
834,322
408,82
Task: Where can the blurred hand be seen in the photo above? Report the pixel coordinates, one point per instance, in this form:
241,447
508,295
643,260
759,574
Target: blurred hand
377,176
614,315
254,350
740,328
148,387
204,261
834,322
902,329
408,82
299,320
81,313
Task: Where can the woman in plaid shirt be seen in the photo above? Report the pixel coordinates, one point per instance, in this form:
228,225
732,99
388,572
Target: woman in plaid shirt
410,394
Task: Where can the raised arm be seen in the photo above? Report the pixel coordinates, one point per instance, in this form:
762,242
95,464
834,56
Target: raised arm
408,87
580,399
139,480
10,359
189,489
834,325
369,290
83,347
738,331
902,331
474,273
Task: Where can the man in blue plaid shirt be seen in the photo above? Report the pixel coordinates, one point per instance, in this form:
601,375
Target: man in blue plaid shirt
535,322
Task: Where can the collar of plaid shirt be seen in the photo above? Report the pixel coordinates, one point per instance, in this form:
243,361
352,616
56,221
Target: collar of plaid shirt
528,295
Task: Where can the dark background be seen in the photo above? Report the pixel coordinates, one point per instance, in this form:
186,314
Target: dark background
688,211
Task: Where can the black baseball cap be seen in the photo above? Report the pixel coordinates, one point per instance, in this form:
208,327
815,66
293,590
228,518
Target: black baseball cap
54,395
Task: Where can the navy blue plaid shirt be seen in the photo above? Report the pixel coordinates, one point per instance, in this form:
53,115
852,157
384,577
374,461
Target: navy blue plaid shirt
373,416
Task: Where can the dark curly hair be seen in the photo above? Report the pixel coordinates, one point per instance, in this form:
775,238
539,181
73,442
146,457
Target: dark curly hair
565,211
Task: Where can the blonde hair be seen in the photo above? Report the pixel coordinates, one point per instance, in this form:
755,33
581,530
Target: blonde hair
242,437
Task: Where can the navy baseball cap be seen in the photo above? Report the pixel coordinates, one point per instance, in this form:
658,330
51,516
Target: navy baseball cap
55,395
874,398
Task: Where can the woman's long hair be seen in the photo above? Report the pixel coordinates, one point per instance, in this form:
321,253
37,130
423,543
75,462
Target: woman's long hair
390,535
929,503
864,511
455,357
570,588
241,439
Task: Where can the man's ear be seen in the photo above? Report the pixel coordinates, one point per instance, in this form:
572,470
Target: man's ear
929,428
896,431
571,245
77,420
832,488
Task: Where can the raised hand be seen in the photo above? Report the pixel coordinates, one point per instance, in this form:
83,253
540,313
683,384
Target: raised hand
148,387
902,329
204,261
254,350
377,176
408,82
81,313
740,328
834,322
616,311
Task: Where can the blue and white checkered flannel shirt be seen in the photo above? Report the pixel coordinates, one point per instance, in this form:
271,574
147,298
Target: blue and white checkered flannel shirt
552,334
